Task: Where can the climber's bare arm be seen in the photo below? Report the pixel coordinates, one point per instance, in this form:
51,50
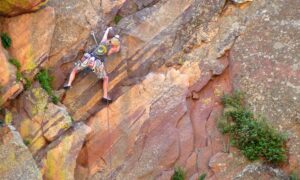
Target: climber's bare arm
114,50
118,49
105,35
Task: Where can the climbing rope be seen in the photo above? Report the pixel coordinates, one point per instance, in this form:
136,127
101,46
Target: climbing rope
108,124
109,139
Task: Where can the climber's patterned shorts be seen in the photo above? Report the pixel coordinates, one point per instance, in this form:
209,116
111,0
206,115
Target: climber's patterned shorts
98,67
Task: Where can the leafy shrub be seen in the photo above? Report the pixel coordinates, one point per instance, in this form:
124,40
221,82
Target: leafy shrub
117,18
235,100
252,135
26,142
6,40
293,176
179,174
18,76
54,99
45,80
15,62
202,176
27,84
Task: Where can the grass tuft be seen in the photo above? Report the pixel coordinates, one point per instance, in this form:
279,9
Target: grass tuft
54,99
26,142
27,84
117,18
45,80
19,76
293,176
202,176
6,40
179,174
15,62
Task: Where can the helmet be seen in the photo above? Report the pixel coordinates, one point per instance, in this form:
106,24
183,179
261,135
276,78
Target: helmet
115,41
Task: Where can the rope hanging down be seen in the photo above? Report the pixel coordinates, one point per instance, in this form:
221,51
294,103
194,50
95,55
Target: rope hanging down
108,124
109,139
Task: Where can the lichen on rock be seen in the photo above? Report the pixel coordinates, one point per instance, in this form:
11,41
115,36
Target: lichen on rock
16,160
58,160
31,36
40,121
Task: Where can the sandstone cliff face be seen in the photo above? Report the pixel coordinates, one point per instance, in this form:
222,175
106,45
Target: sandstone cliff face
16,160
31,36
17,7
269,69
10,88
178,58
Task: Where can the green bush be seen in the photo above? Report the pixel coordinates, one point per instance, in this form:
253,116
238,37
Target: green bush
54,99
117,18
27,84
293,176
6,40
18,76
45,80
252,135
15,62
202,176
26,142
179,174
235,100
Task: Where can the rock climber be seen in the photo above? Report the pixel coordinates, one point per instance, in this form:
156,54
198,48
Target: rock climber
95,59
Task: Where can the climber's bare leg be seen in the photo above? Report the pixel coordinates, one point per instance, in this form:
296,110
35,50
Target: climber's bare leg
71,78
73,74
105,87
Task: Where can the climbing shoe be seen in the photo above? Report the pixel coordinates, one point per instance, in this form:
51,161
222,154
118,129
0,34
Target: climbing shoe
66,87
106,100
